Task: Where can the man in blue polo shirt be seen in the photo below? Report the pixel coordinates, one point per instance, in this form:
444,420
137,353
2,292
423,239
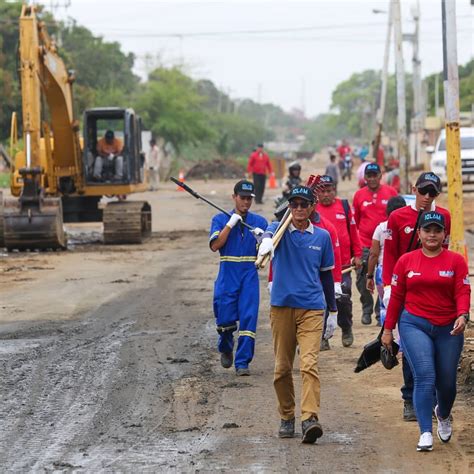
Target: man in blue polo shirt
236,289
303,287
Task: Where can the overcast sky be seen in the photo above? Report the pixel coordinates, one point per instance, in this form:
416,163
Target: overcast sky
245,47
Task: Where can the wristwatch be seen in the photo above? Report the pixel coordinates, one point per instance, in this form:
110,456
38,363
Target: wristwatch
369,277
465,316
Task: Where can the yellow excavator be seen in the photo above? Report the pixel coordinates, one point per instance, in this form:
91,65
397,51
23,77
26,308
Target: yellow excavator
58,176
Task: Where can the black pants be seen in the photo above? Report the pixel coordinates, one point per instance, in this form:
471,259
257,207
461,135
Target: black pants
259,183
344,304
366,297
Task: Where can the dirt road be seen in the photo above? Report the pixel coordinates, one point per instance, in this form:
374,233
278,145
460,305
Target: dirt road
108,363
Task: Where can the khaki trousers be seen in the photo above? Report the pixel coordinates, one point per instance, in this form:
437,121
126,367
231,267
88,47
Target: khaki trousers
292,327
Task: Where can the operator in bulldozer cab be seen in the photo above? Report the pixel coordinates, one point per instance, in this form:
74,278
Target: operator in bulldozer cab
109,161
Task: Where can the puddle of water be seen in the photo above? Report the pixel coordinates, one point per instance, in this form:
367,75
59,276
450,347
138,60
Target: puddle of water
340,438
14,346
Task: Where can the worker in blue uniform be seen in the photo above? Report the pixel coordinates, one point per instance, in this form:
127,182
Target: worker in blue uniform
236,289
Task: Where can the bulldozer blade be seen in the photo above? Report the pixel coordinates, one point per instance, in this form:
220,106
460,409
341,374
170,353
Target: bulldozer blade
34,226
126,222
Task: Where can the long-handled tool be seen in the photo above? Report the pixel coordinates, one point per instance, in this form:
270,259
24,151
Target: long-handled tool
198,196
313,183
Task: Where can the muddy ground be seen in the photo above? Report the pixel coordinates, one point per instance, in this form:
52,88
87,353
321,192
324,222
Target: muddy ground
108,363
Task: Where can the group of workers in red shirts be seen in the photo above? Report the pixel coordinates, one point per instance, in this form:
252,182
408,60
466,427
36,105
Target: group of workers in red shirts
431,288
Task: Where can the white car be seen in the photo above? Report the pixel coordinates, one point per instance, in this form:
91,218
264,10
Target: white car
438,158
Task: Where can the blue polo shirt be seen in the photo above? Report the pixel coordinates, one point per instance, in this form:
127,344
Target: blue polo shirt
298,261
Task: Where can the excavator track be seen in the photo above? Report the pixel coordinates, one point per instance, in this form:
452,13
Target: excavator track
32,227
127,222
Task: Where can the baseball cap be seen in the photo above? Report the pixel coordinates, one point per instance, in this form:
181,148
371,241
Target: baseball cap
244,188
372,168
432,217
302,192
428,179
326,180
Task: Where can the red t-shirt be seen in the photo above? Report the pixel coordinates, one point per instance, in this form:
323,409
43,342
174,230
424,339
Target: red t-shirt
326,225
399,231
259,163
370,210
436,288
349,243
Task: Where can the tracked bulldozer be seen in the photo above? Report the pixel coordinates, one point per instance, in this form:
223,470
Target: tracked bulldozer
60,176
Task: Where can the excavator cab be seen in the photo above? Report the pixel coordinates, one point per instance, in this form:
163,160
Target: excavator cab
112,152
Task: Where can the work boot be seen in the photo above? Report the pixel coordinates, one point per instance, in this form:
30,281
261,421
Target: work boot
324,346
227,359
366,319
347,337
242,371
287,429
408,411
312,430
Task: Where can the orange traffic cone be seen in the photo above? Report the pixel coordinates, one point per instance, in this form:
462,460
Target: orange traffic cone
272,181
180,178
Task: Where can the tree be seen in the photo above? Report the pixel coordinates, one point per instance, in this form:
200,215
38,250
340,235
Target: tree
171,106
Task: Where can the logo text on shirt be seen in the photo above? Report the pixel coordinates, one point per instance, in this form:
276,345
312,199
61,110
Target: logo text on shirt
411,274
446,273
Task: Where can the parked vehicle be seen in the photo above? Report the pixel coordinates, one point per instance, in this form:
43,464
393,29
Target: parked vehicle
438,158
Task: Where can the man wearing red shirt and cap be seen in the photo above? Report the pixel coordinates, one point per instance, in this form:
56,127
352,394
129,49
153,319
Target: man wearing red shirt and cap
370,204
339,213
259,165
401,238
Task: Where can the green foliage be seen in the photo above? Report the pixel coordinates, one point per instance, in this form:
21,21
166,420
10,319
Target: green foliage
324,130
236,134
466,88
4,180
172,107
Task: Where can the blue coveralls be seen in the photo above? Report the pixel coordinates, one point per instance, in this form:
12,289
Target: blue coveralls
236,289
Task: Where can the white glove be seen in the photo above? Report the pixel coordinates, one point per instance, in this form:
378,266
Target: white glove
111,156
266,246
386,295
269,287
331,325
233,220
337,290
257,232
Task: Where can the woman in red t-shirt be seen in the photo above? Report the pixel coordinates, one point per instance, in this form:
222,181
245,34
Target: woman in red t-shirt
430,300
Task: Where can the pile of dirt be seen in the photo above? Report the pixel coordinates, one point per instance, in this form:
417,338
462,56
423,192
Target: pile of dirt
216,169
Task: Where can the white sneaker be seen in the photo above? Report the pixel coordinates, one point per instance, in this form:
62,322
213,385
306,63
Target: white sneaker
426,442
445,427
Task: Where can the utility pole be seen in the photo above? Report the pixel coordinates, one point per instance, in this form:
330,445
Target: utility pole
401,102
416,124
451,111
383,93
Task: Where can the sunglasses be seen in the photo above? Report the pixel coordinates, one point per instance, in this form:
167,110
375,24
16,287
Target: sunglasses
302,204
432,192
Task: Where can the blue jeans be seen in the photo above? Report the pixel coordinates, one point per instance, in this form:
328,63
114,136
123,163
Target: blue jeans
433,355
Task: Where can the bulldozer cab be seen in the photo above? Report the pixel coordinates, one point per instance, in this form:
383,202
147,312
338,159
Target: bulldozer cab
112,147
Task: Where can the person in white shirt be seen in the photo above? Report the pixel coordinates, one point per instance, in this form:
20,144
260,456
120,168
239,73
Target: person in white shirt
154,161
374,267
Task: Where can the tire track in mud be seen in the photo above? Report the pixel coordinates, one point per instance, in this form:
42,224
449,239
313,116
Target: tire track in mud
81,393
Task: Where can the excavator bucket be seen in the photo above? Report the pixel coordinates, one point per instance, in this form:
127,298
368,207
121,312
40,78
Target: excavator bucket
33,226
127,222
